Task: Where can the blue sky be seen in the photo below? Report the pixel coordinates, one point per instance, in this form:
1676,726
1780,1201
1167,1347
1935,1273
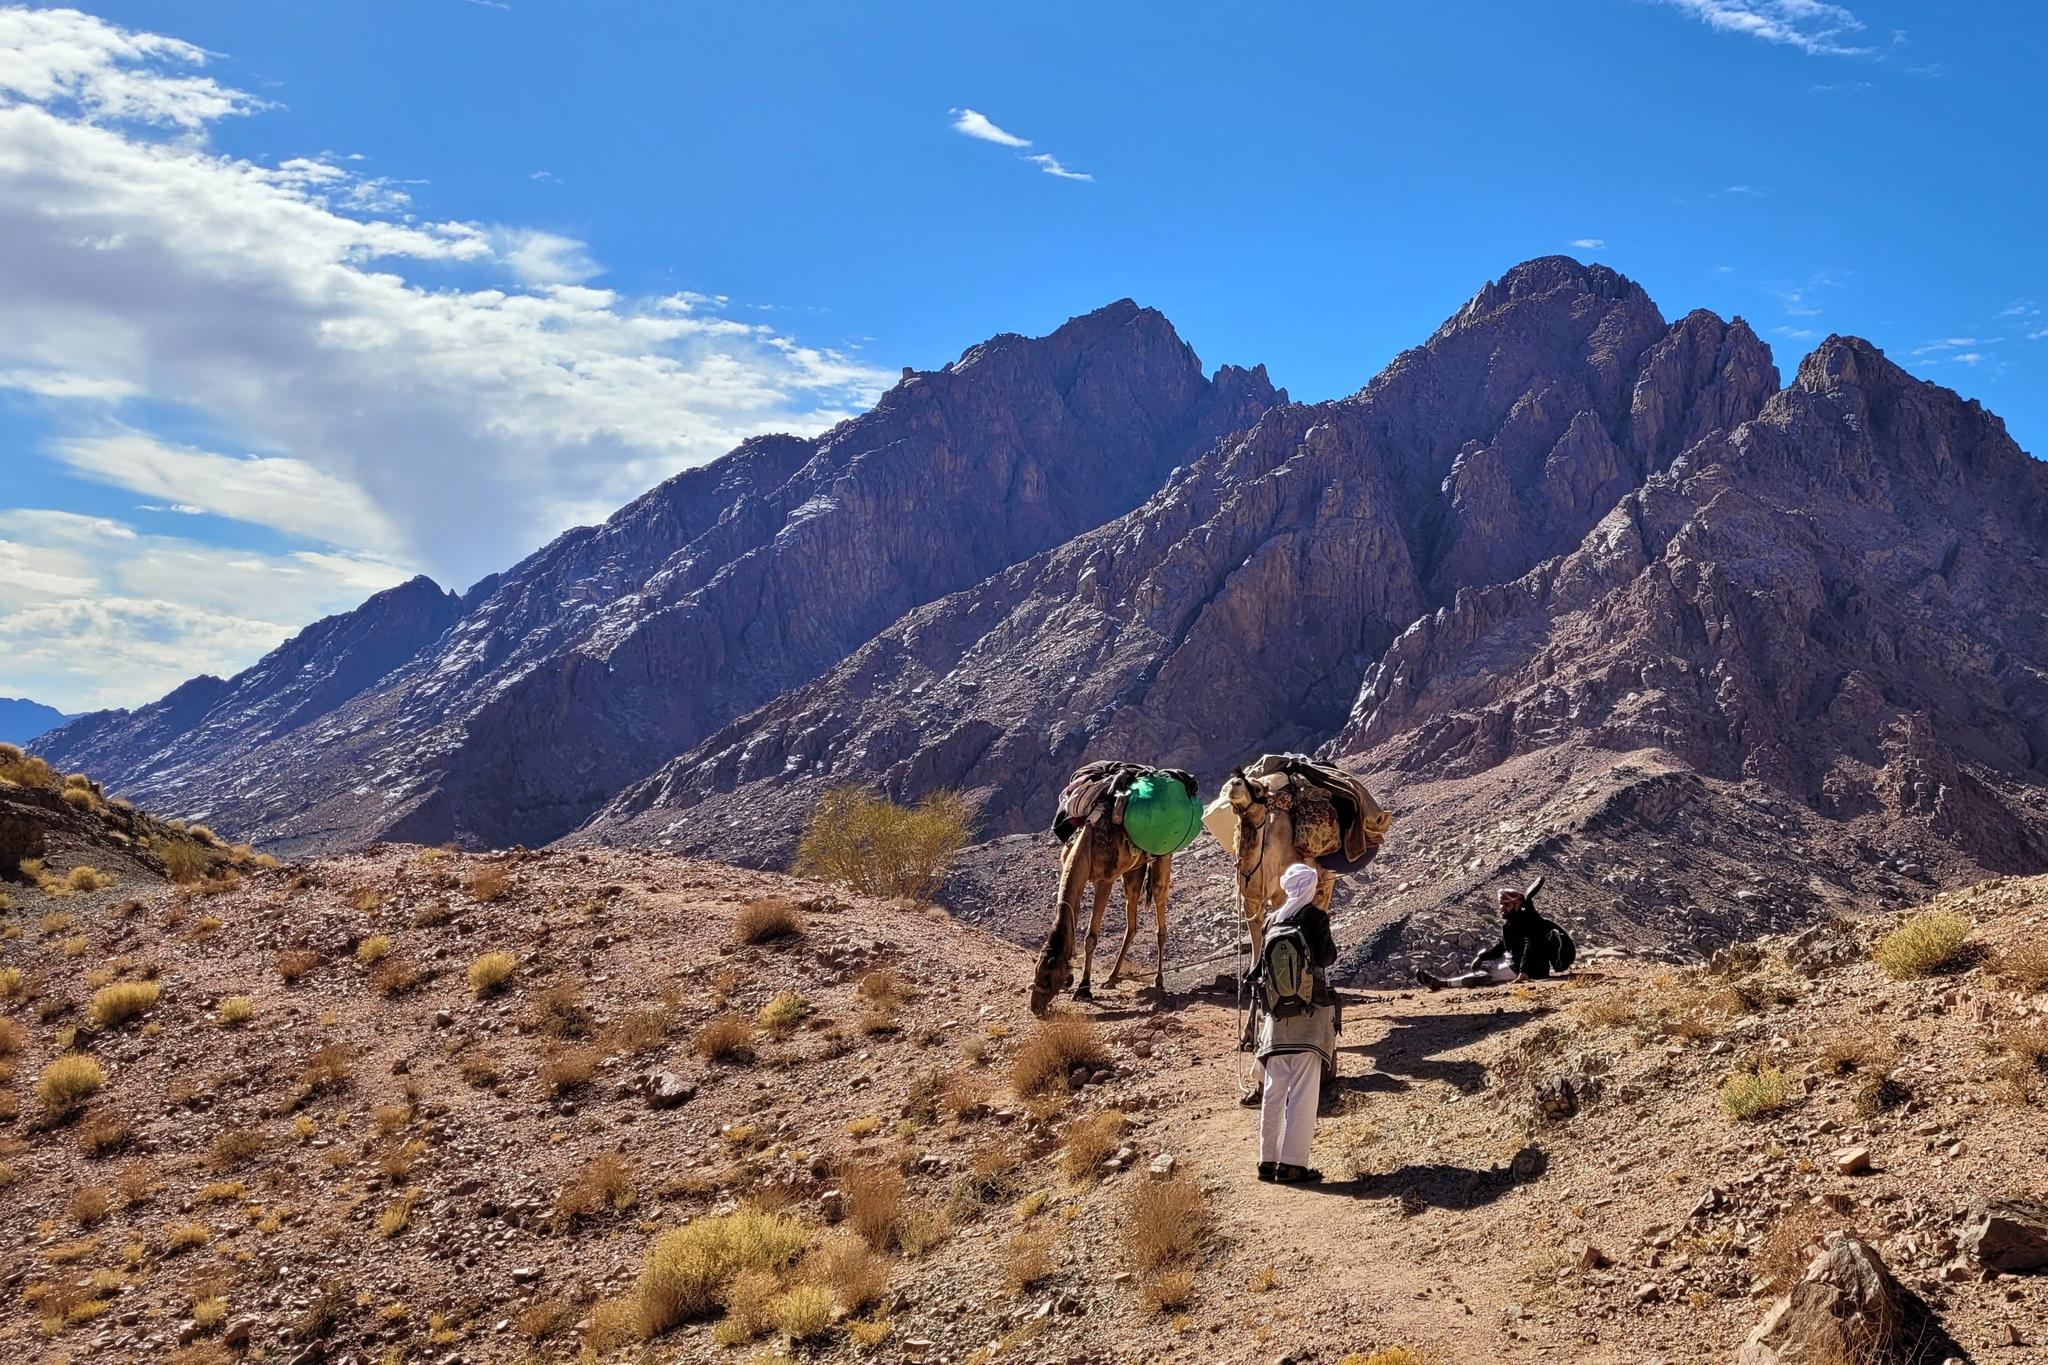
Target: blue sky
298,300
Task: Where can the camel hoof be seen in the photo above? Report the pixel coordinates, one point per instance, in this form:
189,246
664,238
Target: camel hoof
1081,992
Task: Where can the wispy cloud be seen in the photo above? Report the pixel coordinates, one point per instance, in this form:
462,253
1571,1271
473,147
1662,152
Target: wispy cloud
1589,243
973,123
1795,333
2041,335
1753,191
1812,26
1951,344
2020,308
1050,164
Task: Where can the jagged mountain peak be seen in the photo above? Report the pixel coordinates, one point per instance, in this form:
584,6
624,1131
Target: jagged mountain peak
1550,282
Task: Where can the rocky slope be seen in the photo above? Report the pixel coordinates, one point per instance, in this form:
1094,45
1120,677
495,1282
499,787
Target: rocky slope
318,1139
512,715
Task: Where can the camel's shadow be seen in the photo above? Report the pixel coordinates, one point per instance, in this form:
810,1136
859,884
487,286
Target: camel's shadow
1411,1047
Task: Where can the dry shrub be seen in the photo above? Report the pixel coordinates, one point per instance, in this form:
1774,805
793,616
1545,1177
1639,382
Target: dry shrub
186,1236
115,1005
804,1311
749,1304
567,1070
2023,965
233,1147
294,963
1165,1221
780,1016
480,1067
924,1227
728,1038
614,1323
373,949
883,988
237,1010
638,1032
393,977
1387,1355
877,848
874,1202
1088,1142
1170,1291
687,1268
90,1204
86,878
545,1318
11,1037
1749,1095
329,1068
604,1185
772,919
1848,1051
1880,1094
855,1273
1924,944
487,884
1047,1058
69,1081
18,769
102,1134
559,1012
394,1218
365,899
1786,1249
490,972
1027,1260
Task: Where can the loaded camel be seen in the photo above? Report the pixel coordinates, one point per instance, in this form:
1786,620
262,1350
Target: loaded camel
1267,843
1096,855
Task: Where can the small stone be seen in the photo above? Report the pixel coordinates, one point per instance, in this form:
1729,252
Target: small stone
1648,1292
1852,1160
1162,1165
1592,1257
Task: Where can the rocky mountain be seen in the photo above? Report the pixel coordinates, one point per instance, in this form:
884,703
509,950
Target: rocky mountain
1578,589
520,709
22,719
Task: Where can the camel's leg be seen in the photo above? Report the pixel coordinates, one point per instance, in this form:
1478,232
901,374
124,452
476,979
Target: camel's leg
1134,883
1056,962
1101,903
1160,878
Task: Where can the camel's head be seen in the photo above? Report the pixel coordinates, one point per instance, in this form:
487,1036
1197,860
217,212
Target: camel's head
1265,834
1055,970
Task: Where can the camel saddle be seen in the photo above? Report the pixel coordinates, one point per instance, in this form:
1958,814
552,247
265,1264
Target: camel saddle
1336,820
1098,789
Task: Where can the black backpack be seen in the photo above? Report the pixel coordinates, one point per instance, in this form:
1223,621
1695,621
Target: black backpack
1285,975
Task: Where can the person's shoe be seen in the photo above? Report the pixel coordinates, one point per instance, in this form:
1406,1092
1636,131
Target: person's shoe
1268,1170
1435,983
1284,1174
1251,1099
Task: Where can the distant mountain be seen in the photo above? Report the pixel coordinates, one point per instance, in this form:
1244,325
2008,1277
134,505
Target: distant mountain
515,714
22,720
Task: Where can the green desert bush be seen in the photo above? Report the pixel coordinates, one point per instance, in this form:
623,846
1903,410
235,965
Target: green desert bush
875,847
1924,944
1754,1094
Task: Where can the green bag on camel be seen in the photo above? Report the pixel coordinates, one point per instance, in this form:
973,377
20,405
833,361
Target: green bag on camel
1161,814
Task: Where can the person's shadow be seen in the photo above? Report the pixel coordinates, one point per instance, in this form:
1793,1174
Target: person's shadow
1411,1049
1440,1184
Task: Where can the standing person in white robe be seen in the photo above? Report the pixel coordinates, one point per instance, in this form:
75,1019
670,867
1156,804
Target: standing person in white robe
1293,1049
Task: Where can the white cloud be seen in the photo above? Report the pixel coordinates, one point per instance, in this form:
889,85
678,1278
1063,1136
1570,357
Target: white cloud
2041,335
1050,164
272,303
275,491
1968,358
1813,27
1941,344
94,613
2020,308
61,384
1750,190
1589,243
977,125
538,257
1795,333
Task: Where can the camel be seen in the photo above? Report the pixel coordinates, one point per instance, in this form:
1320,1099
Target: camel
1265,849
1097,855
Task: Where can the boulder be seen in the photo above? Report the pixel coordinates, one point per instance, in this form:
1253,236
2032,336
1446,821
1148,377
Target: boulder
2007,1234
1846,1306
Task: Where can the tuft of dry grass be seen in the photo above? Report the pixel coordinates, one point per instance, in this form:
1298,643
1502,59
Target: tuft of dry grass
233,1147
1088,1142
559,1012
395,1218
545,1318
874,1202
237,1010
102,1134
86,878
1750,1095
115,1005
1027,1260
373,949
566,1070
329,1068
487,884
856,1274
89,1205
2023,966
1848,1051
1048,1057
1924,944
780,1016
688,1268
68,1082
804,1311
728,1038
772,919
393,977
1165,1221
1786,1249
489,973
1170,1291
602,1185
364,899
294,963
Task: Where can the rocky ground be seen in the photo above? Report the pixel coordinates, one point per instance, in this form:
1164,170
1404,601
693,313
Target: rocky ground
329,1135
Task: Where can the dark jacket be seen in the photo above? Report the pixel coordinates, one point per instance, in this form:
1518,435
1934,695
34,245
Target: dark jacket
1528,940
1315,1031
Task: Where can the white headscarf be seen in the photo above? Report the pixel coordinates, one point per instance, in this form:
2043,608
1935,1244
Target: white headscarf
1299,882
